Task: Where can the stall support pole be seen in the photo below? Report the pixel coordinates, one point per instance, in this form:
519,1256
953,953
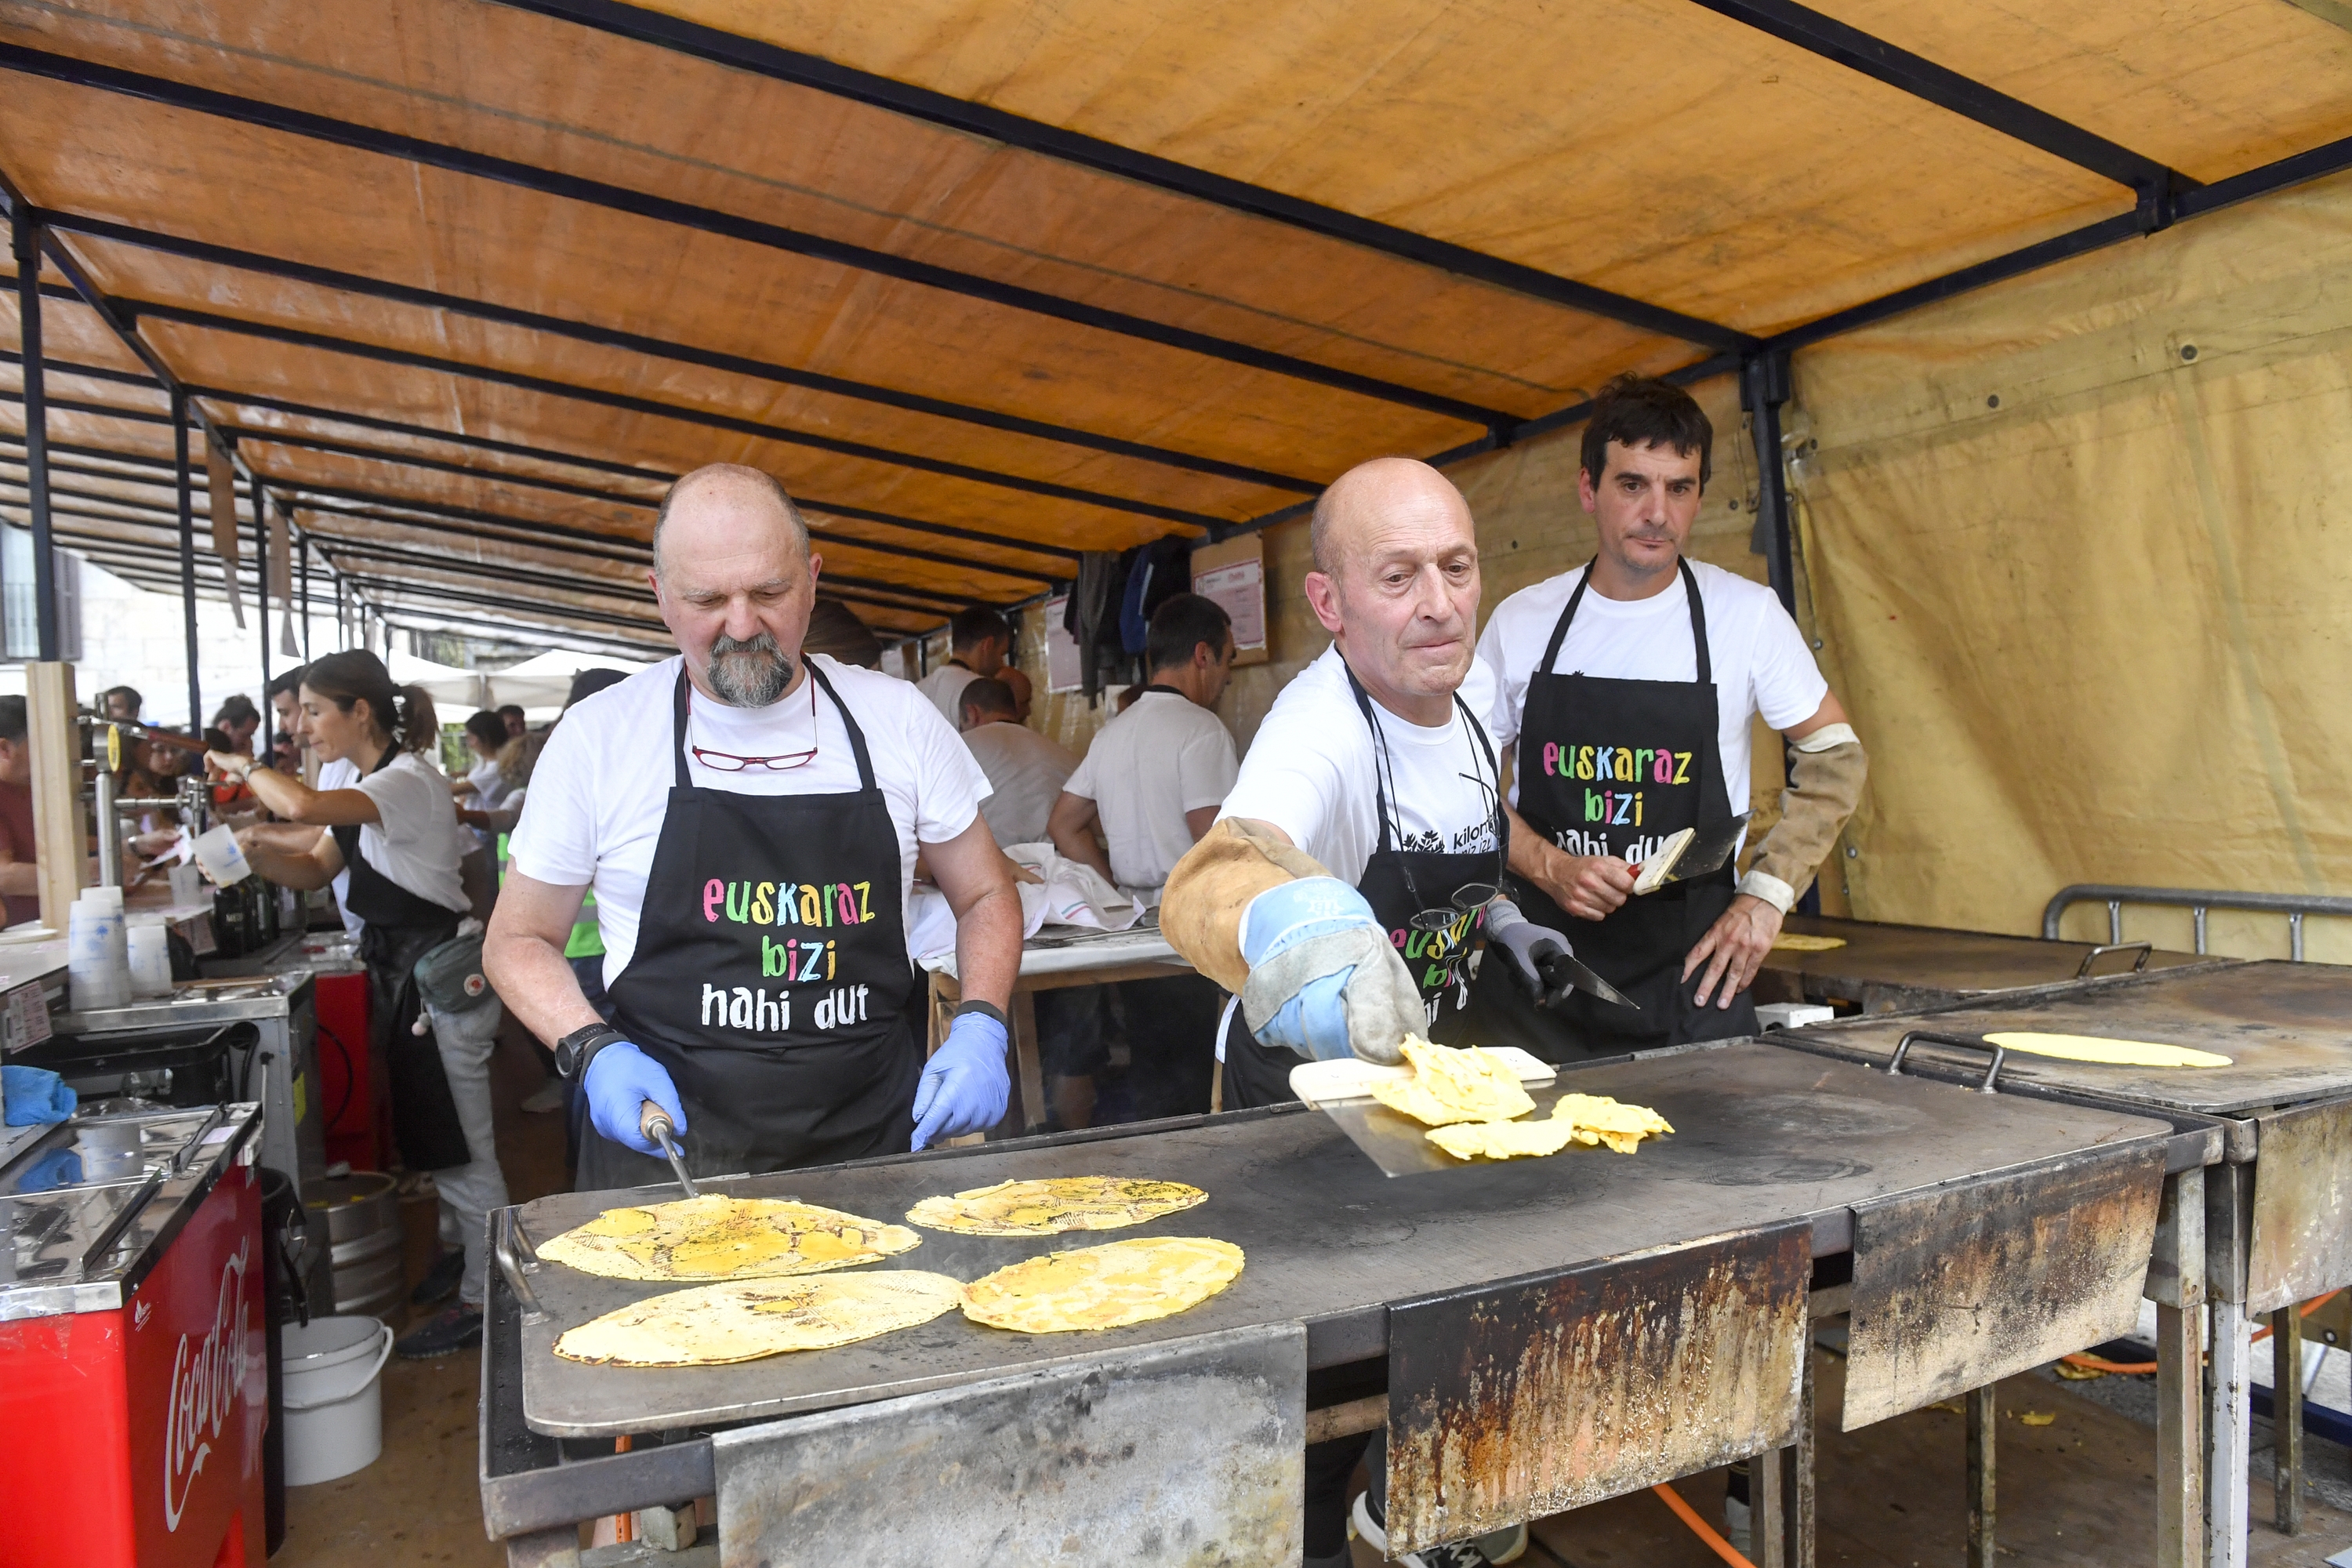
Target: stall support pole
26,241
2177,1283
187,555
2286,1417
1763,387
1984,1436
2229,1410
261,598
303,547
60,848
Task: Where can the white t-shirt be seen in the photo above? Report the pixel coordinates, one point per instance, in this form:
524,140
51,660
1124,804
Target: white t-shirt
1760,662
1164,756
1025,774
416,845
1310,773
343,774
944,686
601,791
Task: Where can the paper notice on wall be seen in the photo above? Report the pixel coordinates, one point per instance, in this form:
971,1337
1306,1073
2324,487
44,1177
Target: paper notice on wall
1233,575
222,480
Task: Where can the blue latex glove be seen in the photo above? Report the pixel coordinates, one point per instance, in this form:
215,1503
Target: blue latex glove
620,1079
963,1087
34,1095
1324,980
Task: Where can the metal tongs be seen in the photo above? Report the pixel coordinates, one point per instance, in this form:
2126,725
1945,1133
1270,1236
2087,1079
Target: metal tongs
655,1123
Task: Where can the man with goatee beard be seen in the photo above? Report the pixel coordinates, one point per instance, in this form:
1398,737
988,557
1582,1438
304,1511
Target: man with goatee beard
748,818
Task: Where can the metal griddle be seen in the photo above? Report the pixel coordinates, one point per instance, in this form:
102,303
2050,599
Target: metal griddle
2287,1026
1886,968
1763,1133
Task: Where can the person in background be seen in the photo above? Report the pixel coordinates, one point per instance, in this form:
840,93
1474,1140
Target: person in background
1016,682
286,706
1154,778
1026,771
19,875
977,640
486,737
394,832
511,716
238,719
120,704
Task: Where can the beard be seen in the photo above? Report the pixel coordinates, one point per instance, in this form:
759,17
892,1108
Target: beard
751,672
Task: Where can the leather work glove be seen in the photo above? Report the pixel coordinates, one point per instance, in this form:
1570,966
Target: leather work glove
1324,979
964,1085
619,1081
1529,948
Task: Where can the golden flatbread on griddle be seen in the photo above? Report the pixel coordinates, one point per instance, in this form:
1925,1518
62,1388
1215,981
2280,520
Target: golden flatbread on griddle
1104,1287
1800,942
1598,1119
747,1318
716,1237
1454,1085
1503,1140
2111,1053
1055,1203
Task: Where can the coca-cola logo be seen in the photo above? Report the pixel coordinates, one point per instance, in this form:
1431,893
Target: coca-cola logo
206,1379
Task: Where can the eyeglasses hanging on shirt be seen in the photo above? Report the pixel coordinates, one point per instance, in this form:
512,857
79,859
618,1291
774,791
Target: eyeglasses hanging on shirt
1470,897
730,763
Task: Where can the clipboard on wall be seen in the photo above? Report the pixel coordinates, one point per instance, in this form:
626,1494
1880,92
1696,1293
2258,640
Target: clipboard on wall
1233,574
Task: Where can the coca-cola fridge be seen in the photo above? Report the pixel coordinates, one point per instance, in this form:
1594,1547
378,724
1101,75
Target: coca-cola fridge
134,1374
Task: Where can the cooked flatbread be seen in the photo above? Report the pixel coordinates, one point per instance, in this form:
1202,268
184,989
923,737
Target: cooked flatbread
1104,1287
716,1237
1454,1085
1598,1119
743,1321
2111,1053
1801,942
1503,1140
1055,1203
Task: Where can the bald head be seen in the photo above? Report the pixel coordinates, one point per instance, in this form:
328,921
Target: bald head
731,492
1384,490
1396,583
736,582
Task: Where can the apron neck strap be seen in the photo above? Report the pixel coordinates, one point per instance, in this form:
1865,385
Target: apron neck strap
1705,665
679,704
1380,749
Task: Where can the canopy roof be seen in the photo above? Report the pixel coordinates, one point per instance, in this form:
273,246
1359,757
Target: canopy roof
466,283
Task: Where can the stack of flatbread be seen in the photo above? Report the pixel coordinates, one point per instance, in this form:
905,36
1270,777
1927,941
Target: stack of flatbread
715,1237
1057,1204
744,1321
1104,1287
1452,1085
1588,1119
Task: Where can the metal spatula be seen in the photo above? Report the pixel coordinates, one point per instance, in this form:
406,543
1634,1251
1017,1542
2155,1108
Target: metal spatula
653,1122
1703,853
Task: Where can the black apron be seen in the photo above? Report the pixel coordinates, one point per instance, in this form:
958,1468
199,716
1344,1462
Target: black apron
1399,883
771,977
1612,767
401,928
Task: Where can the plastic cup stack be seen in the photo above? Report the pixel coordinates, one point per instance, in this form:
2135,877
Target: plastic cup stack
217,852
98,953
149,942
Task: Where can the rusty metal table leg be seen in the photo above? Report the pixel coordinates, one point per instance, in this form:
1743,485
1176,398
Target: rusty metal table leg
2180,1445
2229,1421
2286,1416
1783,1483
1984,1421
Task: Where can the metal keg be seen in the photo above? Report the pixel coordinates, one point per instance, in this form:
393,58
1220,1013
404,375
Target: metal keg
361,1216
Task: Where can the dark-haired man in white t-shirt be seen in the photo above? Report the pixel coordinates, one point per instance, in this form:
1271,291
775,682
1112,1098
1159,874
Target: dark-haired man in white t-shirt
1627,689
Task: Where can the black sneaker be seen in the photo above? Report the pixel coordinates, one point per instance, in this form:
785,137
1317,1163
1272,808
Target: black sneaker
440,1281
444,1333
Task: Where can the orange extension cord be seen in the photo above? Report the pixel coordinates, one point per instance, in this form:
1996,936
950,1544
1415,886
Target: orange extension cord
2097,1364
1700,1528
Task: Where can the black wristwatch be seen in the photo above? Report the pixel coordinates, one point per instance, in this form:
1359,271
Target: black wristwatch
985,1009
575,1050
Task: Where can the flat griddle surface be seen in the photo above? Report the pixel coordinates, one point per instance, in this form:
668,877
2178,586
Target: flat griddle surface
2287,1027
1925,957
1764,1134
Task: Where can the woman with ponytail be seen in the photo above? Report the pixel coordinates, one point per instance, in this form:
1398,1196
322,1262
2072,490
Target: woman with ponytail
394,830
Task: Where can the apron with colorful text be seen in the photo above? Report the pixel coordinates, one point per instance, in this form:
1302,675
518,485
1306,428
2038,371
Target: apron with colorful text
771,977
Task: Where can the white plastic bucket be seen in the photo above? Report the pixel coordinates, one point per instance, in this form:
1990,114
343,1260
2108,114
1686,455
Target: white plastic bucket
334,1403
